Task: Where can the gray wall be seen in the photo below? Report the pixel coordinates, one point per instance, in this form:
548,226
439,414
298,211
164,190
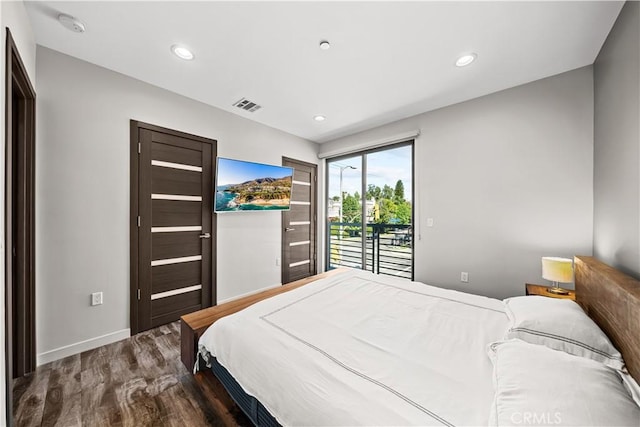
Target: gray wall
82,184
507,179
616,75
13,16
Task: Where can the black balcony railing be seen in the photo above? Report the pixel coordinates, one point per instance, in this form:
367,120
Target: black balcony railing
388,248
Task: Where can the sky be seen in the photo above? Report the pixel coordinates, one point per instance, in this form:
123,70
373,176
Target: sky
231,171
383,167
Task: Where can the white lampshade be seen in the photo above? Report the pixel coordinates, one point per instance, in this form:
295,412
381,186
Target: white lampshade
557,269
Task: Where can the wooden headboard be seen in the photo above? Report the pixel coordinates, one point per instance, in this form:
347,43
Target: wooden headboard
612,300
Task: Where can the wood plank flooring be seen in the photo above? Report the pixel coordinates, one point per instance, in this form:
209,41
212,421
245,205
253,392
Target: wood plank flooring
139,381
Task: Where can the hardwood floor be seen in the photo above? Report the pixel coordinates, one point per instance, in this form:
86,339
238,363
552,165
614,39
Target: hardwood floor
139,381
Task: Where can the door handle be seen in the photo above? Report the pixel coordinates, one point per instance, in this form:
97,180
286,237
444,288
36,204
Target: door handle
289,229
205,236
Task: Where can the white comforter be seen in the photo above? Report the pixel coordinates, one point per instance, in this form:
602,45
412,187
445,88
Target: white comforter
364,349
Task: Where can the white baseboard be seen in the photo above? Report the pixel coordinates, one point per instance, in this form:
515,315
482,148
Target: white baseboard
79,347
248,293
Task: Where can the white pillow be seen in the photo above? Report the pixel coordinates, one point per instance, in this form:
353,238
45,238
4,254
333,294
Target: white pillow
539,386
560,324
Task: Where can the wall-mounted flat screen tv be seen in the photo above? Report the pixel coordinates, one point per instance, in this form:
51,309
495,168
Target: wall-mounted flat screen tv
248,186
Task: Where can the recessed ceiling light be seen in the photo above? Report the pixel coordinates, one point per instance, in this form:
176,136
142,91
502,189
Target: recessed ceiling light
71,23
182,52
319,118
325,45
466,59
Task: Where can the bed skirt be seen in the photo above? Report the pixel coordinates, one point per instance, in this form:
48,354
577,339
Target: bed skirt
257,413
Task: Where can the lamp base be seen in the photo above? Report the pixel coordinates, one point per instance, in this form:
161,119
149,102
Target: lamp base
558,291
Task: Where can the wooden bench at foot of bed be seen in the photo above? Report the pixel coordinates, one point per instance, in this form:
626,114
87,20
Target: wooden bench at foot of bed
193,325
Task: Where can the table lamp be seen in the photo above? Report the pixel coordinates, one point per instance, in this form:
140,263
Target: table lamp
557,270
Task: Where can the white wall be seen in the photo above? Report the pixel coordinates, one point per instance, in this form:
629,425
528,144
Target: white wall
82,190
616,238
13,16
507,179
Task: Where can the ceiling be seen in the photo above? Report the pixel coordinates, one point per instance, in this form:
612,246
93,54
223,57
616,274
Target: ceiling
387,61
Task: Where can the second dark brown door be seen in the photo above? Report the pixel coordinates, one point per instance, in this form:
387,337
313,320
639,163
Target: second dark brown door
299,224
174,224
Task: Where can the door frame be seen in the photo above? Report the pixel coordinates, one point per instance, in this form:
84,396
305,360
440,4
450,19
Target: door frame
23,318
314,225
134,242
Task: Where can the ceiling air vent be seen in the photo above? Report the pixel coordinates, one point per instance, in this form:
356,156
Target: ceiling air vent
247,105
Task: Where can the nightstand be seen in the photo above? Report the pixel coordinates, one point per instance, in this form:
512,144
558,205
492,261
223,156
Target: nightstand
542,290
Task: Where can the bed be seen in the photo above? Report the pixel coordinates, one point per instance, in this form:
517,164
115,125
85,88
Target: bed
416,356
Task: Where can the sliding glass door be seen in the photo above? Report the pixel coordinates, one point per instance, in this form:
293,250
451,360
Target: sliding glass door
370,211
344,212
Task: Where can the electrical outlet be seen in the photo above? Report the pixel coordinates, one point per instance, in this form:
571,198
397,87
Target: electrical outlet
277,261
96,298
464,277
429,222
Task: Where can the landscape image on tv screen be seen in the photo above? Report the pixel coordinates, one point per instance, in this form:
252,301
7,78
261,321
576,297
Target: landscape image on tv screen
248,186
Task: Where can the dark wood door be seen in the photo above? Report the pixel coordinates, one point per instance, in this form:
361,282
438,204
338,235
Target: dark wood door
20,348
299,224
173,225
